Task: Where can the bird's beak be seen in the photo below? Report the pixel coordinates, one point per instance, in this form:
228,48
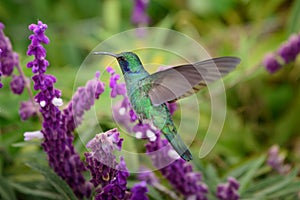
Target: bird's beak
107,54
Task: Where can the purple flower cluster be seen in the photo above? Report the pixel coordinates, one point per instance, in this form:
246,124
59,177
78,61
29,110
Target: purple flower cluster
17,84
116,189
229,190
8,57
109,176
101,160
276,160
286,53
139,15
8,60
58,126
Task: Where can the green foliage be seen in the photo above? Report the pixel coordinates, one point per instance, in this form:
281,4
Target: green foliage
60,185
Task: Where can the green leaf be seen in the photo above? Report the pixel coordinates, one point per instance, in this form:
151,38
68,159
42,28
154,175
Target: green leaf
277,186
60,185
264,183
294,22
40,193
111,19
153,193
6,191
245,167
292,188
210,176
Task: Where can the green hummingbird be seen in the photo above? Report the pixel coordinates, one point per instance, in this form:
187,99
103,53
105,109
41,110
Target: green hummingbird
148,93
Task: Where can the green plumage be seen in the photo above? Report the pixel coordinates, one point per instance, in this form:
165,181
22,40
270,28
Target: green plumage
138,85
148,94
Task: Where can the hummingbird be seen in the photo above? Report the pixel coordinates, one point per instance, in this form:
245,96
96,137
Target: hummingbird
149,93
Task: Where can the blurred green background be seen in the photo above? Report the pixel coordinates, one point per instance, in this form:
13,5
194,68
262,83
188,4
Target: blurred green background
262,109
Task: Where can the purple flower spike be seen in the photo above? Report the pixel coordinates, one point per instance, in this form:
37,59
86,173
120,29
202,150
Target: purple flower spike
139,191
288,51
8,58
103,145
40,64
57,134
101,160
17,84
139,15
229,190
271,63
276,160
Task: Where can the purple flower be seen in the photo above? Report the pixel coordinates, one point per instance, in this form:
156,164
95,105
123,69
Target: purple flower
57,137
287,52
139,191
116,189
229,190
144,131
290,49
271,63
39,33
27,109
17,84
8,58
139,15
39,64
101,160
33,135
116,89
172,107
276,160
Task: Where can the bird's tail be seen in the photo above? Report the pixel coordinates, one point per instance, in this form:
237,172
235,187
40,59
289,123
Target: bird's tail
179,146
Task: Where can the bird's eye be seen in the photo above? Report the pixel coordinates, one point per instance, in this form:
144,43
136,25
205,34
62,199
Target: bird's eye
124,64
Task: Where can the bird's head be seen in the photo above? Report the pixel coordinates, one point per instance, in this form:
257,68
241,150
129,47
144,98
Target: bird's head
128,61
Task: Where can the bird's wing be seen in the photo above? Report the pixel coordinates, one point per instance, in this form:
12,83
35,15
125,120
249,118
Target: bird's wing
178,82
